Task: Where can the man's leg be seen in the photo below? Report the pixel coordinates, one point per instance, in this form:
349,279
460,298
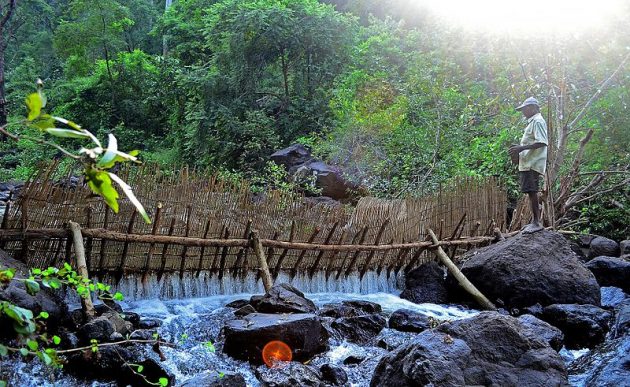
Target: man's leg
536,224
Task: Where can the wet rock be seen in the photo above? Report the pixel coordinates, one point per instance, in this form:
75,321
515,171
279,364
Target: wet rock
338,311
214,379
333,375
101,328
621,326
352,360
578,251
116,337
142,334
584,326
366,307
540,330
531,268
45,300
283,298
406,320
68,340
107,308
291,374
149,323
390,339
152,371
237,304
624,247
244,311
611,271
607,365
603,246
487,349
302,332
585,240
133,318
359,329
425,284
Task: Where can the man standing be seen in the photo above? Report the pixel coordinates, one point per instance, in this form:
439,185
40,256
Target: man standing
532,158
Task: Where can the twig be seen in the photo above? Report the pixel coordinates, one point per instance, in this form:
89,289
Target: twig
118,343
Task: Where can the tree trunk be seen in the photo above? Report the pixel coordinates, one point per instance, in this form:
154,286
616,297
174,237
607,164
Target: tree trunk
167,5
3,101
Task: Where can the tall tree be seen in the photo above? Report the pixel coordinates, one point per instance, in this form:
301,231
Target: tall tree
7,30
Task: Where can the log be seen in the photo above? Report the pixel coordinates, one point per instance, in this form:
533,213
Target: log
459,276
263,267
77,238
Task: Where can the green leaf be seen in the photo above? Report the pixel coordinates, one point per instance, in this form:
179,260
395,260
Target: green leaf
46,358
67,133
32,287
71,124
163,382
43,315
110,153
101,184
32,344
140,369
34,105
3,350
44,122
24,351
210,346
132,198
36,271
56,340
3,383
67,266
54,283
119,296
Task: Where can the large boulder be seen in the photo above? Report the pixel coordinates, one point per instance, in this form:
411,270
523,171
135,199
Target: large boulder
292,374
487,349
292,156
538,329
584,326
349,309
302,332
603,246
283,298
359,329
611,271
531,268
407,320
426,284
333,375
608,365
624,247
215,379
621,326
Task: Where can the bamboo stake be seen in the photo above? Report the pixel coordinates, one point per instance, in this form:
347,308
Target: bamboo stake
224,252
154,231
262,261
203,248
384,259
276,270
303,253
123,258
354,256
101,258
86,302
182,264
371,255
171,228
463,281
215,260
269,254
321,253
242,253
330,265
88,245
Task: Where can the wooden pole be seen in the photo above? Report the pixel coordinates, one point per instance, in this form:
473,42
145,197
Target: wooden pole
321,253
276,270
371,254
77,238
182,264
298,261
203,249
267,280
459,276
154,231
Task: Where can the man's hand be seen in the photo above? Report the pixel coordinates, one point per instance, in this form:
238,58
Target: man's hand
514,151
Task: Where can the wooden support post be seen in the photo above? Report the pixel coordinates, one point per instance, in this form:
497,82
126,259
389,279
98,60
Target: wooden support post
215,260
400,259
182,264
123,258
300,258
101,258
354,240
262,261
77,238
383,261
154,231
90,240
203,249
25,241
463,281
269,254
276,270
171,228
315,265
414,260
5,217
354,257
368,260
224,252
331,259
242,253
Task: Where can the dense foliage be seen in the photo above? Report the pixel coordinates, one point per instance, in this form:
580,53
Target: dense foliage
397,98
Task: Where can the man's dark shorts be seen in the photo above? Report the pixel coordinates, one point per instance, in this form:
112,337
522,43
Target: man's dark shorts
530,181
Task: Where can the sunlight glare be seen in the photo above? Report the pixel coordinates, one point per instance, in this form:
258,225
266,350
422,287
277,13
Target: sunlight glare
529,17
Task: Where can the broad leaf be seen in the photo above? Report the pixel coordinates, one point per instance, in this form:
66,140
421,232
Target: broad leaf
110,153
44,122
67,133
132,198
34,105
101,184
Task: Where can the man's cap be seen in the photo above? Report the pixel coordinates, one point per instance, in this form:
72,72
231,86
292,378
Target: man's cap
528,101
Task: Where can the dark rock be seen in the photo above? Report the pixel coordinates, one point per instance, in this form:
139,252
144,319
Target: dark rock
624,247
68,340
585,240
578,251
531,268
214,379
132,317
142,334
149,323
101,328
351,360
535,310
244,311
303,333
487,349
46,300
237,304
621,326
106,308
333,375
606,365
540,330
116,337
611,271
291,374
425,284
584,326
389,339
603,246
152,371
406,320
291,156
283,298
359,329
366,307
75,318
349,309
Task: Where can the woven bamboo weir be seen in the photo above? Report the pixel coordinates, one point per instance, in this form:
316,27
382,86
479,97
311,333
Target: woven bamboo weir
202,223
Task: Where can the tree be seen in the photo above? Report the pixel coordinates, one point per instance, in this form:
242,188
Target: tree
7,30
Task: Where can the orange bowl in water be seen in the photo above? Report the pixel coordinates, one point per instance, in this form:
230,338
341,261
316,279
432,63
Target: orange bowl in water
276,351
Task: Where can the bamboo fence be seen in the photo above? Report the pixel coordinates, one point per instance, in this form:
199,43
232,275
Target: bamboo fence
203,223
